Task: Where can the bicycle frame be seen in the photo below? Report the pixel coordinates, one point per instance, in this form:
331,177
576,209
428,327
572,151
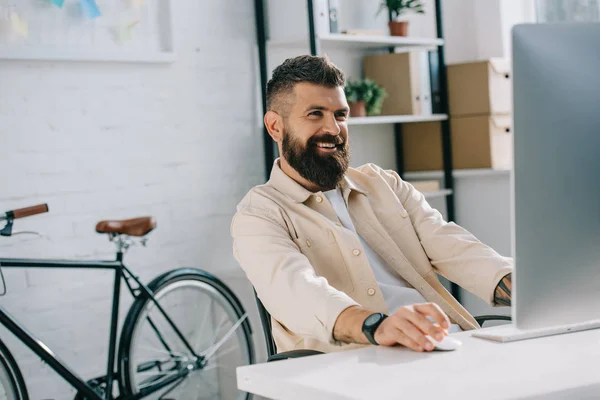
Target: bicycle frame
46,354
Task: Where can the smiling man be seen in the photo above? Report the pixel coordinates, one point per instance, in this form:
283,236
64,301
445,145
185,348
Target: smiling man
343,257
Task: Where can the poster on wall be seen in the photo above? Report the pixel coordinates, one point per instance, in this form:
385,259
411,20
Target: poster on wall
87,30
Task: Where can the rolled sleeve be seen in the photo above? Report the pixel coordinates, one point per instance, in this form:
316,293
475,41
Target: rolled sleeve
283,277
501,274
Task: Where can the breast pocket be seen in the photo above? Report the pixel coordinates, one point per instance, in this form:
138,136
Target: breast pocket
392,216
323,251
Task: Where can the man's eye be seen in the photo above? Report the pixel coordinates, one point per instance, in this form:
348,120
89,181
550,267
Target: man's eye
316,113
341,116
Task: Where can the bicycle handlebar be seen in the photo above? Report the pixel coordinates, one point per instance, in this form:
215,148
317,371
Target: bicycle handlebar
27,211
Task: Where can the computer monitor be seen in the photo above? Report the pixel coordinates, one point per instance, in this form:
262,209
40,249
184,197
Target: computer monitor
556,180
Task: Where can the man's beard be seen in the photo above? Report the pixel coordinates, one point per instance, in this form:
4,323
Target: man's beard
325,171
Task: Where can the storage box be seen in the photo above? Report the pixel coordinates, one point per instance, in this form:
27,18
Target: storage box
477,142
405,78
480,88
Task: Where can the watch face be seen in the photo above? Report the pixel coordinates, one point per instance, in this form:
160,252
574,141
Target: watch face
372,319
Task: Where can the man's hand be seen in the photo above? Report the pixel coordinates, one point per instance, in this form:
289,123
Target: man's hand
409,325
502,294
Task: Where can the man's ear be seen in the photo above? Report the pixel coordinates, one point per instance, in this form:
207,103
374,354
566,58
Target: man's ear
274,124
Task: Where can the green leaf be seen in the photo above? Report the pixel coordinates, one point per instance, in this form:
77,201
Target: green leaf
368,91
399,7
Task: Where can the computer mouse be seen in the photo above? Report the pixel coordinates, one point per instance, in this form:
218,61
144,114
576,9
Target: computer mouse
448,343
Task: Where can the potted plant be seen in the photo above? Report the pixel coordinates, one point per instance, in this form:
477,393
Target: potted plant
365,97
397,8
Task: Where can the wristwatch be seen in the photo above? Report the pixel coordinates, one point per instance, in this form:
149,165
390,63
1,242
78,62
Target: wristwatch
371,324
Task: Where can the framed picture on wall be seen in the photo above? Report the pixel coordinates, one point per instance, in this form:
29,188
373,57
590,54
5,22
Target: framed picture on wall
87,30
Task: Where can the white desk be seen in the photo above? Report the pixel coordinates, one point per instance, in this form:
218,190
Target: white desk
556,367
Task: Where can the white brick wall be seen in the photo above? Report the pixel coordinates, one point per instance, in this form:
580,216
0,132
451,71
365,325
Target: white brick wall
181,142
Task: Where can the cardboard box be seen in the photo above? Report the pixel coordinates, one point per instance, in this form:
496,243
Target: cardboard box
477,142
405,78
480,88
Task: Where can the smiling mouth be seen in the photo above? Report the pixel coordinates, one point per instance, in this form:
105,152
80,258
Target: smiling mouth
326,145
328,148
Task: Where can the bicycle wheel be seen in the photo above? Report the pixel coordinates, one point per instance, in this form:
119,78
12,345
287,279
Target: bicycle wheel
12,384
211,319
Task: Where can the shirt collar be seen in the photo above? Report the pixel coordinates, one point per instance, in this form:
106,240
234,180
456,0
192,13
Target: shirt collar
298,193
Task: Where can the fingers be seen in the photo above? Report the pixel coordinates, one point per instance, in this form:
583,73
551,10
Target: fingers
435,312
410,325
404,340
414,334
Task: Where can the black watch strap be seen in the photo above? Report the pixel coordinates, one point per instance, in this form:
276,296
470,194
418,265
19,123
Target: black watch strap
371,324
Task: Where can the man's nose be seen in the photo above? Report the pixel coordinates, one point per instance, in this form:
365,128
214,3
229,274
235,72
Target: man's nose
332,125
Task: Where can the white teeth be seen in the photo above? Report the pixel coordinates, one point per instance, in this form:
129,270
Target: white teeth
326,145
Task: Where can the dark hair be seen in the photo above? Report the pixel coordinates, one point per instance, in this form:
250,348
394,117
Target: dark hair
312,69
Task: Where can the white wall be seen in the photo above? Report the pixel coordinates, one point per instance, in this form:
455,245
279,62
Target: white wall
181,142
478,30
482,206
459,27
513,13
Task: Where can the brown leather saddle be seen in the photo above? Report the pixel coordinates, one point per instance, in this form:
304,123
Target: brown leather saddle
132,227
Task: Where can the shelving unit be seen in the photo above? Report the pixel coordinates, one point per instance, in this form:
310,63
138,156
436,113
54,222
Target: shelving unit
396,119
457,173
368,41
437,194
353,42
324,43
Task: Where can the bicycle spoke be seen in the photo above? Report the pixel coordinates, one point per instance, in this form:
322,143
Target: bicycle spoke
212,350
175,386
158,373
171,353
209,323
226,351
210,383
219,328
203,323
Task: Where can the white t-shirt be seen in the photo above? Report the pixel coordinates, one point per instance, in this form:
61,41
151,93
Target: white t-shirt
396,291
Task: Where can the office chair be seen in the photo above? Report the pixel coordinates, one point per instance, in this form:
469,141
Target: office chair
265,319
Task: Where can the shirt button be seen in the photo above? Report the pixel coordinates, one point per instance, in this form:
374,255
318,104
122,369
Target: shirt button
356,252
338,224
403,213
308,242
370,291
319,199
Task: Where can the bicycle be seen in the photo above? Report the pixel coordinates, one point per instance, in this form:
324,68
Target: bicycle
157,354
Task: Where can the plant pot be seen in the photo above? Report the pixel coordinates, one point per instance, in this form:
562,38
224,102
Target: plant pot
398,28
358,109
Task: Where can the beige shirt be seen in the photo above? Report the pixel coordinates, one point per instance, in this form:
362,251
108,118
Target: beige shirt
307,269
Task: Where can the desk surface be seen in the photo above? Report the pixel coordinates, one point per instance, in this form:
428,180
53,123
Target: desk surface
555,367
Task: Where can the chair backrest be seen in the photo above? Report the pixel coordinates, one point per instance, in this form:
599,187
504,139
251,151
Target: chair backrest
265,319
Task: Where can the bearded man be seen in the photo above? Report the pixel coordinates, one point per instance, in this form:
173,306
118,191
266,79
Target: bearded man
343,257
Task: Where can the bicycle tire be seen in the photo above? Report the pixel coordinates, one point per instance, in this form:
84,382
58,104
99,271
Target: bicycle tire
158,286
10,374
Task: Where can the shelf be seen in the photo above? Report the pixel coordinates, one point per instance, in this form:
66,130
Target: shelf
370,41
457,173
346,42
44,54
396,119
437,194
